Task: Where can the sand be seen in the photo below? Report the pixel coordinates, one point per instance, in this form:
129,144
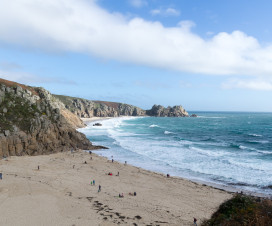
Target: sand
59,194
93,119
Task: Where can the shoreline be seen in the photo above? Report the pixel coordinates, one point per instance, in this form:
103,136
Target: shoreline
94,119
66,193
224,187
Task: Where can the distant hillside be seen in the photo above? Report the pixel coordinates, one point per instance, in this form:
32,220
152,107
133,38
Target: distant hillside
88,108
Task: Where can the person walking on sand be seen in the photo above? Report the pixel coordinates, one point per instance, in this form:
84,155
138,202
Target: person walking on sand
195,220
99,188
38,167
93,182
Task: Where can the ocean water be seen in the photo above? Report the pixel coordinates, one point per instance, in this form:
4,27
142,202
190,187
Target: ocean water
232,149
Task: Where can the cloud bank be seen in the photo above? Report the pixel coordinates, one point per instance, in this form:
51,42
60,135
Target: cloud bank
83,26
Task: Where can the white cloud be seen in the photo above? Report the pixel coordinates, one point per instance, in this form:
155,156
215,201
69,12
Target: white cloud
83,26
138,3
165,12
252,84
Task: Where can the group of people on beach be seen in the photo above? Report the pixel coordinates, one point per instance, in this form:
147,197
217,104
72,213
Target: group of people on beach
93,184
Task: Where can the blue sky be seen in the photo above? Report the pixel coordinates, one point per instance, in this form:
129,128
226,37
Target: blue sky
205,55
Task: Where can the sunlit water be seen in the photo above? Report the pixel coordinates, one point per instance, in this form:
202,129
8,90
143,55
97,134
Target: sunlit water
233,149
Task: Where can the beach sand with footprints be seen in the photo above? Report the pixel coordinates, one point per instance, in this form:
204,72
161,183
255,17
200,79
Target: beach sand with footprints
60,193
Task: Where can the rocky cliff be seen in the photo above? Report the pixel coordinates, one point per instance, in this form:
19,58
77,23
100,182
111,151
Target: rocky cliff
160,111
32,122
86,109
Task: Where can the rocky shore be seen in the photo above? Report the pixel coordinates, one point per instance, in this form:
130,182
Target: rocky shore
33,122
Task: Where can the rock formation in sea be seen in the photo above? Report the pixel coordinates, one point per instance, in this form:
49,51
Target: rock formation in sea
33,122
160,111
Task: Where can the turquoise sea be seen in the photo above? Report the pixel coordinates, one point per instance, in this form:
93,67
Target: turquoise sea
223,148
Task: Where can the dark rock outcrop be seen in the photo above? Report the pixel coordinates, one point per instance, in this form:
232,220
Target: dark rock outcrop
160,111
31,122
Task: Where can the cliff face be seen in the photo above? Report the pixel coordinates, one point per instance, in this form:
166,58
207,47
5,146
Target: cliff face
87,109
160,111
31,122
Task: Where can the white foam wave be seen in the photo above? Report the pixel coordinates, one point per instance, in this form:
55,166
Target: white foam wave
215,153
255,135
167,132
265,152
153,126
210,117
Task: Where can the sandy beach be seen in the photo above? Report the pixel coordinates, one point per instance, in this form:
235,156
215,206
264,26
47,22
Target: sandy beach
60,193
93,119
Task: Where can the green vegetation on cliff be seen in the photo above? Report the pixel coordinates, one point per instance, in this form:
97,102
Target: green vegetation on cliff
16,111
32,123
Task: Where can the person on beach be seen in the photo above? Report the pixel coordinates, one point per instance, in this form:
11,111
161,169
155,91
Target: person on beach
112,160
94,182
85,162
117,174
99,188
125,162
91,182
0,176
73,166
168,175
38,167
195,220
